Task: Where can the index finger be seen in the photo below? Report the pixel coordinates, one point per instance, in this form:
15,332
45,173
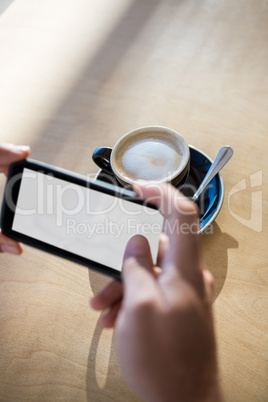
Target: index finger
181,225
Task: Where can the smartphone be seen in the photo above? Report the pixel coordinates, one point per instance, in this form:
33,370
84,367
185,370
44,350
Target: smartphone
69,215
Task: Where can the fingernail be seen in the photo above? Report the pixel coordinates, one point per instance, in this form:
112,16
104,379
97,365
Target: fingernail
5,248
15,148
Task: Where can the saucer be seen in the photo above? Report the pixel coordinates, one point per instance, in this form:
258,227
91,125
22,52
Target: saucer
210,200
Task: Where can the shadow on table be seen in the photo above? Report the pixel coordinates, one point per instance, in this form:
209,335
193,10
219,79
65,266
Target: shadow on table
215,254
81,101
4,4
114,382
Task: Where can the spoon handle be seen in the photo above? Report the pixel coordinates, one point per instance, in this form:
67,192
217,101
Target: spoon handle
222,157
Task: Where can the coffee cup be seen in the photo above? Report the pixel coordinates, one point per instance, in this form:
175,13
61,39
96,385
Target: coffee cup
154,153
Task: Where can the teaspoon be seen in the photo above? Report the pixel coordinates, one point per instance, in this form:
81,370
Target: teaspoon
222,157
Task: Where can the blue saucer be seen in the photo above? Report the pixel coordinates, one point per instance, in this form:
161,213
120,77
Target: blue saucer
210,201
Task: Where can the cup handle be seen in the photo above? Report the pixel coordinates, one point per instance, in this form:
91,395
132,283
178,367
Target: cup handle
101,156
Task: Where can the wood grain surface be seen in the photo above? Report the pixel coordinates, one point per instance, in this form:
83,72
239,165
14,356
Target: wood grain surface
78,74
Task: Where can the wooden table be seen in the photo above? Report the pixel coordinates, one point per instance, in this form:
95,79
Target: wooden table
77,74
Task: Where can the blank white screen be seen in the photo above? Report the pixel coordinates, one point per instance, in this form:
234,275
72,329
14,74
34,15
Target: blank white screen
83,221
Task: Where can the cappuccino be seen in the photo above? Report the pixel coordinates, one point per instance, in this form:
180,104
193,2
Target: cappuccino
149,159
153,153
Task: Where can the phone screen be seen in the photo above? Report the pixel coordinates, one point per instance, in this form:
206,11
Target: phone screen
81,220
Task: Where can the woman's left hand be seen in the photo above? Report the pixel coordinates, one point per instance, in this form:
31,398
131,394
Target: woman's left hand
8,154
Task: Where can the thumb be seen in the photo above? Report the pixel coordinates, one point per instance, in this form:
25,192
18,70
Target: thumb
11,153
138,275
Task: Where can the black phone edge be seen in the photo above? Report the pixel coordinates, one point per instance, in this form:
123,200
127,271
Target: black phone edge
7,215
76,178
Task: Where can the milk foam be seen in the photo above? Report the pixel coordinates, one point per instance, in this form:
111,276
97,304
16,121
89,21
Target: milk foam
150,159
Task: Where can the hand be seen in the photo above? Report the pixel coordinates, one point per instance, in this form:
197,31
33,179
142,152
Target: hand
10,153
163,321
